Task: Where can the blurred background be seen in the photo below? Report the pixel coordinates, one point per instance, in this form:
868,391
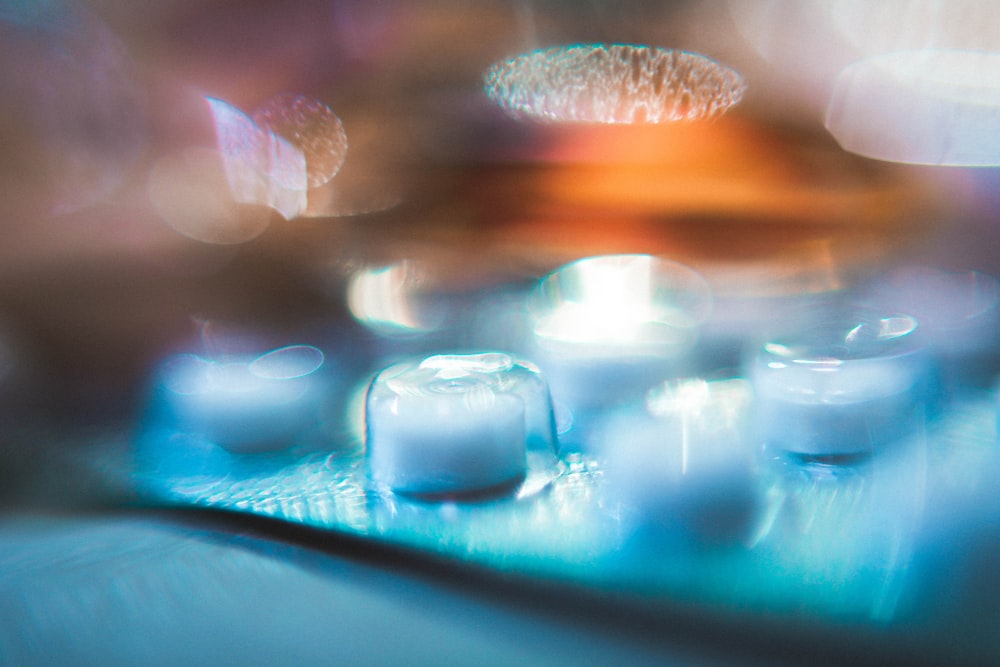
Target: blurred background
100,99
124,237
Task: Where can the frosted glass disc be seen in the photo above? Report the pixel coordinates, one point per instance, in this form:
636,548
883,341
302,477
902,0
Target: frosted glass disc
929,106
616,83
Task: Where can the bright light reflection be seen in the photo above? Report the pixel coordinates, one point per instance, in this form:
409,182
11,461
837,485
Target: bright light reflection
619,302
925,107
261,167
465,364
708,416
685,397
810,41
386,300
286,363
958,311
883,330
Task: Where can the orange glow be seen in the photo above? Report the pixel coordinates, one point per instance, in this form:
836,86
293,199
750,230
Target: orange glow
729,197
729,168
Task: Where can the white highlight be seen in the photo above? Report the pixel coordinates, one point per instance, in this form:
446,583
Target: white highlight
261,167
620,303
923,107
608,328
388,301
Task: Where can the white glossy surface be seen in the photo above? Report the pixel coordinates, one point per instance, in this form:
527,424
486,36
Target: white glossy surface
454,423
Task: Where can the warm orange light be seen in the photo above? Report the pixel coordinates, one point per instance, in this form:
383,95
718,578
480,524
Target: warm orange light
722,195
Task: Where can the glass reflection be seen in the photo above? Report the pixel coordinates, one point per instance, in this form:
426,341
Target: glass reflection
902,25
958,312
842,387
261,167
608,328
782,30
808,44
390,301
267,162
455,424
844,535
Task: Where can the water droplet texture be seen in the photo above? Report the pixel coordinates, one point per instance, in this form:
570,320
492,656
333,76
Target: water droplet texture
616,83
312,127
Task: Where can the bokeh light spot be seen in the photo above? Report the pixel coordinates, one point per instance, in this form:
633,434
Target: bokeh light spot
311,127
190,191
615,83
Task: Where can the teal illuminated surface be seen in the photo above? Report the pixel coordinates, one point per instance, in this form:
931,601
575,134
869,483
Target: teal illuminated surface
850,543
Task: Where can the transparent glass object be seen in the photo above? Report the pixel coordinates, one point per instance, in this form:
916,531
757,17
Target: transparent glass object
841,387
608,328
456,423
